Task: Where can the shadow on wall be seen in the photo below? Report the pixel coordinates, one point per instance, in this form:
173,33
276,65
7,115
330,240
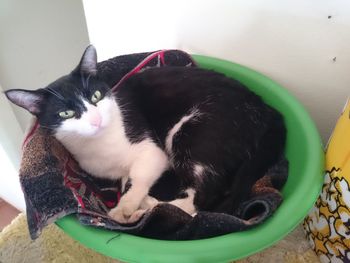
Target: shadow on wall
302,46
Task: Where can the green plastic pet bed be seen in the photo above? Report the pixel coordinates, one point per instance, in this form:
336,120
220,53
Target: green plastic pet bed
305,154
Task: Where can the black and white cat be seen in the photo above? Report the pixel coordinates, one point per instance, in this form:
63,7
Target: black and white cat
209,130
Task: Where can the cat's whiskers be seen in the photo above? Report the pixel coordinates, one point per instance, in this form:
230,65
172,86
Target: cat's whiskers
123,107
109,92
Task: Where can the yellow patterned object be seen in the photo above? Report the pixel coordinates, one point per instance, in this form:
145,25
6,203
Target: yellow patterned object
328,223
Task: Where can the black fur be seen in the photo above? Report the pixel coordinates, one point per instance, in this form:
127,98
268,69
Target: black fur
236,134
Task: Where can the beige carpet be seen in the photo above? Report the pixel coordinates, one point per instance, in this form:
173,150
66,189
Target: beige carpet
54,246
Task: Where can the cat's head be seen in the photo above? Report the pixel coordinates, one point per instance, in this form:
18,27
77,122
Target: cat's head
76,104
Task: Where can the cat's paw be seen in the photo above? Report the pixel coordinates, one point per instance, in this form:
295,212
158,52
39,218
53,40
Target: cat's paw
149,202
136,216
124,216
123,212
118,215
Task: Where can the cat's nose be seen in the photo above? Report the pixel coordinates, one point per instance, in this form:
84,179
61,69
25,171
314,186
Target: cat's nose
95,118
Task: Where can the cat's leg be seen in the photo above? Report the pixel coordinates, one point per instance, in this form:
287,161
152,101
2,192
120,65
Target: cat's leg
124,181
186,204
147,203
144,172
199,156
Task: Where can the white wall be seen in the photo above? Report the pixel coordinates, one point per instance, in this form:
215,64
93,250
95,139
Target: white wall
39,42
292,41
122,27
10,144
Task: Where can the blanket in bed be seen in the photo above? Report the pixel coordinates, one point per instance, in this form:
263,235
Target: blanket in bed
54,185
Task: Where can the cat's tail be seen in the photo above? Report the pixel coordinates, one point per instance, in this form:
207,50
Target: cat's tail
265,196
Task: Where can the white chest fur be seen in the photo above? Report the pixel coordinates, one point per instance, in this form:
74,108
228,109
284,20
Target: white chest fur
106,155
107,152
98,142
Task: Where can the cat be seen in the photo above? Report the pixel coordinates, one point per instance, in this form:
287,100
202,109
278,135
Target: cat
214,136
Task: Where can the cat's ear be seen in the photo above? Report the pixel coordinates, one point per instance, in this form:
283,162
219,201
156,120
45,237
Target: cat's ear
88,62
27,99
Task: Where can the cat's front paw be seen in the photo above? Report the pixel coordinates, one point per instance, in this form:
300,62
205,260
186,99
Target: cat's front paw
149,202
136,216
123,215
124,211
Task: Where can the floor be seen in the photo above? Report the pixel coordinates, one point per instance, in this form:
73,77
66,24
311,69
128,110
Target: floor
54,245
7,213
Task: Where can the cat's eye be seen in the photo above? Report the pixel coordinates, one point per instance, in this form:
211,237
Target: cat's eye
67,114
96,97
